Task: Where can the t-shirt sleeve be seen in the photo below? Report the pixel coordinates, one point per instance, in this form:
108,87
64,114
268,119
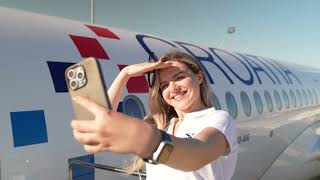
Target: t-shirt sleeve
222,121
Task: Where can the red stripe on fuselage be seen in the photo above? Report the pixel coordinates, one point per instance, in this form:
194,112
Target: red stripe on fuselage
89,47
103,32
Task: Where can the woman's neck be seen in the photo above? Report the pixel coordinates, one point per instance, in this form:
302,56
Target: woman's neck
182,113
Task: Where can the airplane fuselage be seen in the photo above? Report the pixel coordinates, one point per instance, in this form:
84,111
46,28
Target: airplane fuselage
275,104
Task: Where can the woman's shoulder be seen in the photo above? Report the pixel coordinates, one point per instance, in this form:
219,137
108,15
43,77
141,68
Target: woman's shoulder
211,113
221,114
209,117
218,119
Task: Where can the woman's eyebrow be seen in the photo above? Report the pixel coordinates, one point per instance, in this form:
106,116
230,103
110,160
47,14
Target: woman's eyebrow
174,76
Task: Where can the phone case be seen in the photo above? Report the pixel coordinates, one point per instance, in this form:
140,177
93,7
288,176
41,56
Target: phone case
85,79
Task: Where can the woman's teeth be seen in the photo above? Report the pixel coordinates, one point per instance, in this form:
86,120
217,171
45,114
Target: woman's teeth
179,96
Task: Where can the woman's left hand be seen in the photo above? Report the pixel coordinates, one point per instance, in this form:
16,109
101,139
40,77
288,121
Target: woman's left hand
111,131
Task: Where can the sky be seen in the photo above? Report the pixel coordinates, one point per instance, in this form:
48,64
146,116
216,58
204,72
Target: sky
287,30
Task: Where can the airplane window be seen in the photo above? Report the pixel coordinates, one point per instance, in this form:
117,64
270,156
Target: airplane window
299,97
305,97
268,100
245,103
293,97
133,106
310,96
278,99
215,101
231,105
286,98
257,100
315,96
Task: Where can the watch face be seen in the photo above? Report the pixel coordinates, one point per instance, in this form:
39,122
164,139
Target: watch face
165,153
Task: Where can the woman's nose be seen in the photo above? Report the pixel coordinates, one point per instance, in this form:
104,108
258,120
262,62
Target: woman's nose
173,86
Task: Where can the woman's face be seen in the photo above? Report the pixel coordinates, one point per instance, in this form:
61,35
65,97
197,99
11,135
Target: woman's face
180,87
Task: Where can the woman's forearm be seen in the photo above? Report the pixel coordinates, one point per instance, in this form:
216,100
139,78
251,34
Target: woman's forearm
117,88
190,154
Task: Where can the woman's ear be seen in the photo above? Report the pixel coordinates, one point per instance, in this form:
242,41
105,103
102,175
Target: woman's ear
199,77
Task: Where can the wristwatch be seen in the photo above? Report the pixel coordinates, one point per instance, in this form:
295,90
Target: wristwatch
162,154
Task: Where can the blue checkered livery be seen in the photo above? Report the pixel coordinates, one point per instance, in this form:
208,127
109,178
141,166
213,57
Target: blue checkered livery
80,172
28,127
57,70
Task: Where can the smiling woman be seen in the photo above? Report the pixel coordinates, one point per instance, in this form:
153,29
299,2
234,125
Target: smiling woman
180,88
182,121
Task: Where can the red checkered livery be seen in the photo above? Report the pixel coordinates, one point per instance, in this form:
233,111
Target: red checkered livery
136,84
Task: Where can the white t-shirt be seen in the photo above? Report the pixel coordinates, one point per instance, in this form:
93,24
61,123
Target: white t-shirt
193,123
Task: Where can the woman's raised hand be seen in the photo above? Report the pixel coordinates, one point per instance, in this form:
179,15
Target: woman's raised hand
117,87
135,70
112,131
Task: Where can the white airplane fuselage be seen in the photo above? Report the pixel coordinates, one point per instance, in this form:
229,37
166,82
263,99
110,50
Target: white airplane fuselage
275,104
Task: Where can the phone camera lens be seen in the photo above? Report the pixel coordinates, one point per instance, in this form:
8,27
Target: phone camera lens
71,74
80,75
73,84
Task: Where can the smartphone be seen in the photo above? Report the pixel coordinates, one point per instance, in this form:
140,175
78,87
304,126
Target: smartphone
85,79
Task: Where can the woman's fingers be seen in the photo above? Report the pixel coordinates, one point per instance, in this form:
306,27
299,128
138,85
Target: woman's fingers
159,65
85,138
94,148
142,68
84,126
86,103
90,149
